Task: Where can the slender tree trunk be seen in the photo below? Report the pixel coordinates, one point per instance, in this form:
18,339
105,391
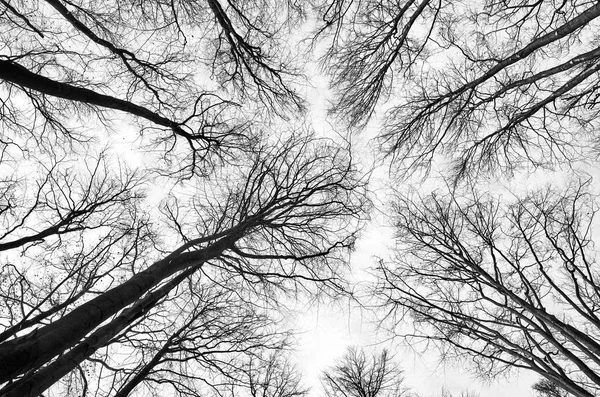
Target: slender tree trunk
564,30
68,15
31,351
140,375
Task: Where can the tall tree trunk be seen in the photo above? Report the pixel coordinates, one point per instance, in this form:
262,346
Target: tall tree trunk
140,375
39,381
30,351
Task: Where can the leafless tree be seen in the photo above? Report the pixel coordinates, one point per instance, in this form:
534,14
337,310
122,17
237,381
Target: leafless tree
64,234
270,376
89,268
183,69
510,284
202,339
67,198
358,375
279,225
489,85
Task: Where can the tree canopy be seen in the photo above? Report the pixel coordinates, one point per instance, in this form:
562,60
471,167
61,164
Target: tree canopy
123,276
163,192
487,85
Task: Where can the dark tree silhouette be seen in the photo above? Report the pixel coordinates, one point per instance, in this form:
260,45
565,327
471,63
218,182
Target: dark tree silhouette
358,375
280,224
188,279
489,85
68,197
273,376
203,339
73,227
509,284
180,72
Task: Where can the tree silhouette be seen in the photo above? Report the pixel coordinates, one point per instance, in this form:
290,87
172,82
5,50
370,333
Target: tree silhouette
154,62
232,206
489,86
50,222
357,375
279,225
508,284
202,339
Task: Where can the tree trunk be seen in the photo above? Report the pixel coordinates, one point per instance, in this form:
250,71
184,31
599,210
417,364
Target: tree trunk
38,382
30,351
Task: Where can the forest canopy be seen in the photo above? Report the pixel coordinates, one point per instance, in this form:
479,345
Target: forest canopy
166,190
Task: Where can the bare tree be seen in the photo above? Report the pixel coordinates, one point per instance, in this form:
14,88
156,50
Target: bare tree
180,72
195,342
357,375
508,284
67,198
490,84
280,225
89,266
270,376
64,234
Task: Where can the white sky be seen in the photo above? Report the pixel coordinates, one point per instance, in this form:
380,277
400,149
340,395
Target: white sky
327,330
